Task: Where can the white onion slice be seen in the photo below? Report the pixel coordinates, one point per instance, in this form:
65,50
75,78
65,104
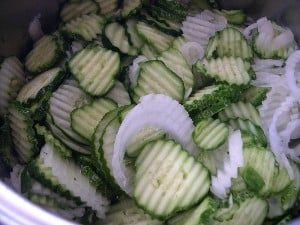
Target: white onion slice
222,182
135,68
265,79
292,64
285,39
267,63
274,99
192,51
248,30
155,110
278,144
292,130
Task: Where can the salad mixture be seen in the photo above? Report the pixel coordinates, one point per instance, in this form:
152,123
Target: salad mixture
161,113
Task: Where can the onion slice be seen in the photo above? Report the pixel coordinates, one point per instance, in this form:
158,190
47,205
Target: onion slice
192,51
278,144
292,65
155,110
222,182
134,70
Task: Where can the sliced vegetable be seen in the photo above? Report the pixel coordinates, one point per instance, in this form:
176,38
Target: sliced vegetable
149,112
98,76
157,183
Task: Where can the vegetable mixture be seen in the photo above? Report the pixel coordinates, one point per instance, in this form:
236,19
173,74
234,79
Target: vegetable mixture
162,113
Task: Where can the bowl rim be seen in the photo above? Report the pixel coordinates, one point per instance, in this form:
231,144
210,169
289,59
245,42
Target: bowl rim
16,210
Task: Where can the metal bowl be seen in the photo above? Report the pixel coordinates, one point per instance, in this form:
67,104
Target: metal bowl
15,16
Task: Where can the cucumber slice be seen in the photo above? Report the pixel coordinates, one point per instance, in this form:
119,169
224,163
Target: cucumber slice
178,42
62,102
156,77
197,214
235,16
254,95
11,80
157,39
23,134
98,76
85,118
85,27
260,170
126,212
59,134
55,206
245,125
116,36
136,143
229,42
77,8
95,176
8,157
50,139
46,52
97,135
133,36
177,63
130,7
226,69
54,169
169,27
162,189
210,134
252,210
106,150
109,8
171,10
36,89
150,52
241,110
150,113
210,100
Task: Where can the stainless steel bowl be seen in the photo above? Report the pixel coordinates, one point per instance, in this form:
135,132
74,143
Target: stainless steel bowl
15,16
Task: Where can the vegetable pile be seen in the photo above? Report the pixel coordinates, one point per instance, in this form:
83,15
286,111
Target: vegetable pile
162,113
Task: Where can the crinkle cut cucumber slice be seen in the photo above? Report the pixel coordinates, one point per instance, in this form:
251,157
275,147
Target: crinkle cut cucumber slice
97,76
168,179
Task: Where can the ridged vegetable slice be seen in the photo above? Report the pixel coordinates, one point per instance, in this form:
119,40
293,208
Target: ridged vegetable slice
61,168
168,179
62,102
177,63
127,212
222,181
85,118
154,110
11,80
201,27
46,52
226,69
98,76
209,134
241,110
85,27
108,8
116,36
74,9
159,40
155,77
